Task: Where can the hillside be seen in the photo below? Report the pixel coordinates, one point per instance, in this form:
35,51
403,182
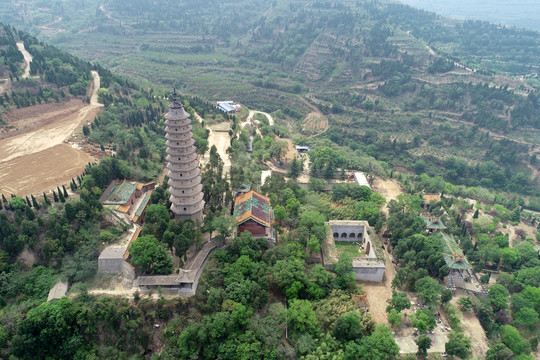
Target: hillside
370,86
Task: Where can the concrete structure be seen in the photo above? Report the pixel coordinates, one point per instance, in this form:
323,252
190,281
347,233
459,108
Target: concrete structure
302,148
361,179
253,213
58,291
230,107
370,266
184,172
114,259
186,281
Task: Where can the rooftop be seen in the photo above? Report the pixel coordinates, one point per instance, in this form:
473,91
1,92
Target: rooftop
252,205
453,256
120,193
185,276
361,179
113,252
58,291
243,188
428,198
434,223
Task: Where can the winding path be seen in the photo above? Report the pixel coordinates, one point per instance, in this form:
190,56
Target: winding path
27,59
268,116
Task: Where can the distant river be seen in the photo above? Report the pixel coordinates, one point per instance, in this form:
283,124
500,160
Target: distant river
521,13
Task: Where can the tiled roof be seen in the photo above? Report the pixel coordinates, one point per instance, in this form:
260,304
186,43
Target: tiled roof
453,256
434,224
253,205
120,193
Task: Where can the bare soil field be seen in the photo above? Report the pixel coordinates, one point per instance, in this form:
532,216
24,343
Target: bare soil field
378,293
473,329
34,155
389,188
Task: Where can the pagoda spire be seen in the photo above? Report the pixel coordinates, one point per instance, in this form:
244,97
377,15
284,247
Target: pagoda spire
183,167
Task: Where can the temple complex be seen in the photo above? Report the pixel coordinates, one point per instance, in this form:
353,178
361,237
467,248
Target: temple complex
184,172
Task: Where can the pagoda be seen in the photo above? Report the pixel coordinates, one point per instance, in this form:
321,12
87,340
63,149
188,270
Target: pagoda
184,173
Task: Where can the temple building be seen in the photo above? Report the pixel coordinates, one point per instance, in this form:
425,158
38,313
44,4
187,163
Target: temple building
253,213
184,172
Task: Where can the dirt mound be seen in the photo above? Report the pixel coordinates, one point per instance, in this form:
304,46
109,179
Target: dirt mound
34,154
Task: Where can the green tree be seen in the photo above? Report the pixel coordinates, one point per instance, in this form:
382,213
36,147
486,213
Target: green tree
424,343
511,338
345,275
295,168
394,317
423,320
459,345
290,275
399,301
509,256
498,296
429,290
446,295
499,352
60,195
465,303
223,225
348,327
147,253
49,330
527,318
301,317
380,345
313,244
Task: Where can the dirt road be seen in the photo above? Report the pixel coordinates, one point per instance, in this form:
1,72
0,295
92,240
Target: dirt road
268,116
222,141
36,157
389,188
473,329
27,59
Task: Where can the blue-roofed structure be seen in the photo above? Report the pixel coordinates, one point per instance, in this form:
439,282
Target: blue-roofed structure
229,107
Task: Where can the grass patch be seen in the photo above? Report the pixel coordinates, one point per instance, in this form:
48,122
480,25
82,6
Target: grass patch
351,249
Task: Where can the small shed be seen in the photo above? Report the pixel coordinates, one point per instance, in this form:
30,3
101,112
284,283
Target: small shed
361,179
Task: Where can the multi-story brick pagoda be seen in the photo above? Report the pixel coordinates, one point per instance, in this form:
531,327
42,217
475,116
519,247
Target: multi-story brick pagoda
184,172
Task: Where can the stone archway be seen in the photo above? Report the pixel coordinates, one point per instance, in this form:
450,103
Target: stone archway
343,235
368,248
336,235
352,236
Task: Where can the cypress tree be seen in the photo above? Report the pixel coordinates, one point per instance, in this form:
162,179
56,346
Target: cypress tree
34,202
45,199
475,216
4,200
61,197
28,201
65,192
0,205
55,197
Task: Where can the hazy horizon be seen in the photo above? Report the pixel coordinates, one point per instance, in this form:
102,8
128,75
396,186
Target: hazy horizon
522,13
